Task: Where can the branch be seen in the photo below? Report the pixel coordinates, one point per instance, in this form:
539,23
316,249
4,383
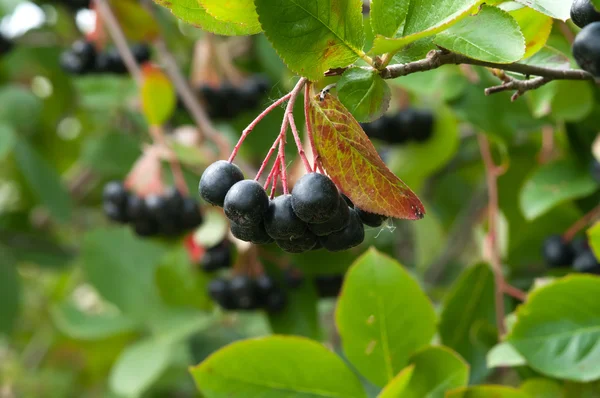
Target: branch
520,86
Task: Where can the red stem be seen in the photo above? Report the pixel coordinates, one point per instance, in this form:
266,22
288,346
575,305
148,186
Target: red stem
299,143
272,173
255,122
283,166
581,223
309,131
275,179
157,135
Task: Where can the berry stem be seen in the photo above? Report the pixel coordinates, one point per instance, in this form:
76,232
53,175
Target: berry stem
309,130
158,137
272,173
275,180
282,165
581,223
255,122
299,143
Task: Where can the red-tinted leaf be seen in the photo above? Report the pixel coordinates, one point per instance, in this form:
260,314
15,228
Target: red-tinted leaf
354,165
158,95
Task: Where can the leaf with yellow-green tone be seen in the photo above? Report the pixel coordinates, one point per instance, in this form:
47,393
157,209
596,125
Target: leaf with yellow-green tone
191,12
487,392
136,22
558,9
422,19
535,26
396,387
240,12
354,165
158,95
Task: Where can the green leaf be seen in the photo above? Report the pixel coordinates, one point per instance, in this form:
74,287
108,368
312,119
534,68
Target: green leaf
594,238
121,267
8,140
424,18
383,317
192,12
43,181
157,94
558,329
477,37
487,392
434,371
300,317
572,101
469,303
313,36
364,93
548,57
111,154
504,355
276,367
596,4
10,292
240,12
387,16
535,26
82,326
354,165
552,184
398,384
542,388
558,9
20,108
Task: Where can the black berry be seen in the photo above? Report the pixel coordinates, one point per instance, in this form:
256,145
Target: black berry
217,257
352,235
586,48
146,227
136,208
70,63
422,127
217,180
86,52
115,212
370,219
246,203
115,192
329,285
276,300
256,234
340,219
595,170
378,128
584,13
400,127
220,291
114,62
141,52
280,220
190,215
5,44
315,198
243,292
586,263
557,252
298,245
579,246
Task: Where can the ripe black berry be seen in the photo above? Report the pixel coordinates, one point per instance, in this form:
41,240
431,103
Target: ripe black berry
217,180
352,235
190,216
146,227
301,244
246,203
220,291
400,127
249,94
586,263
158,211
243,292
422,127
70,63
114,212
595,170
586,49
86,52
340,219
378,128
114,62
136,208
370,219
557,252
329,285
280,220
264,285
256,234
276,300
115,192
141,52
315,198
217,257
584,13
579,246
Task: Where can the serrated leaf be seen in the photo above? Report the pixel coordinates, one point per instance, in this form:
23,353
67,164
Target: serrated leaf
469,303
253,368
504,355
425,18
313,36
158,95
435,370
8,140
383,317
535,26
354,165
487,392
552,184
191,12
558,329
548,57
558,9
491,35
239,12
364,93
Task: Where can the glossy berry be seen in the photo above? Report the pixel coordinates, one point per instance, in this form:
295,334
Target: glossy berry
586,49
351,236
315,198
243,292
141,52
370,219
115,192
422,127
220,291
86,52
136,208
584,13
190,216
159,211
217,257
246,203
256,234
114,212
378,128
114,62
264,285
557,252
249,94
595,170
275,301
579,246
217,180
280,220
72,64
400,127
298,245
340,219
329,285
586,263
146,227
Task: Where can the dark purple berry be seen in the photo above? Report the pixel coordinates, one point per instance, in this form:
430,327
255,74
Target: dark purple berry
586,263
190,215
141,52
351,236
114,212
217,257
146,227
256,234
595,170
586,49
584,13
298,245
340,219
315,198
422,127
370,219
136,208
220,291
246,203
243,292
280,220
557,252
217,180
579,245
329,285
114,192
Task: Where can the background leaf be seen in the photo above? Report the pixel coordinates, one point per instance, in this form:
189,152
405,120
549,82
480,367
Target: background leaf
158,95
8,140
542,388
300,317
487,392
491,35
329,33
558,9
364,93
253,368
354,165
241,12
504,355
382,317
552,184
558,329
10,292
